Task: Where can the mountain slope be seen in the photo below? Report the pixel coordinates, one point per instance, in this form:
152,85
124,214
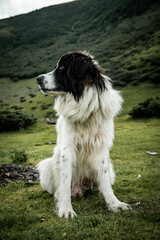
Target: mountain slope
123,35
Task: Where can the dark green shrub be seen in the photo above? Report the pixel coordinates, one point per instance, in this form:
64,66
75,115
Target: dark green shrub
148,108
155,78
15,79
32,95
14,120
119,83
50,104
154,106
51,114
43,107
135,83
16,107
22,99
18,156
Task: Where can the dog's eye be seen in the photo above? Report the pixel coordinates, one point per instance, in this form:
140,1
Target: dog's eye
61,67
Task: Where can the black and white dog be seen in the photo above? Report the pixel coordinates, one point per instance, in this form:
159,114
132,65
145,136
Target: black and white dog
86,105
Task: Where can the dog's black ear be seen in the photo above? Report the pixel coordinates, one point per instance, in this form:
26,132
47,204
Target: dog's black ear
82,66
75,80
77,72
96,77
83,71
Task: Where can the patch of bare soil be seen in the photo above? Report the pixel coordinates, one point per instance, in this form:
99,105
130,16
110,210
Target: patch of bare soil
14,173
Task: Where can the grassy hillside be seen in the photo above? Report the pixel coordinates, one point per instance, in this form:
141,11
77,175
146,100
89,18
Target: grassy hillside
123,35
23,207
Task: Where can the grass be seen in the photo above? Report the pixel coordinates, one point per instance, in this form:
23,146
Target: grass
27,212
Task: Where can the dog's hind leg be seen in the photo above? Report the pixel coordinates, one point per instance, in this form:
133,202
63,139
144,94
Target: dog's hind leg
46,176
49,172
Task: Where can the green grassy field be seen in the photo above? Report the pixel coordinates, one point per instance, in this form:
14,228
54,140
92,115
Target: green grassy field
23,208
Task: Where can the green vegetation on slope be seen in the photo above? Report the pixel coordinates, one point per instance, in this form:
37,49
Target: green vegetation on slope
14,120
123,35
27,212
149,108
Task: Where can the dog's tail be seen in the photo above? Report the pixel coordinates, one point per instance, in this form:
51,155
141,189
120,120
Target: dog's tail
46,175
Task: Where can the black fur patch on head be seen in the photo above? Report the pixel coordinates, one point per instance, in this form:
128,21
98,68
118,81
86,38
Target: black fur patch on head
76,70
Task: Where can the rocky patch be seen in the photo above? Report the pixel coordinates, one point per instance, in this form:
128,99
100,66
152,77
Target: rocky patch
13,173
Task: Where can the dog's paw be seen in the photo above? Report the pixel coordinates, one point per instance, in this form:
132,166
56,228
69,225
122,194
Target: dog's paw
67,213
120,206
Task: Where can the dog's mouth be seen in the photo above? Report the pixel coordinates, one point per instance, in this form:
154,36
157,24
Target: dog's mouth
51,90
54,91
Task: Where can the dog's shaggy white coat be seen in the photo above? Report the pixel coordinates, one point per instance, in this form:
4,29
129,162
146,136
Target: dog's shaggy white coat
85,131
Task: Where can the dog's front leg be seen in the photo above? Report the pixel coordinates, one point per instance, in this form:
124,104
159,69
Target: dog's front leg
63,194
106,188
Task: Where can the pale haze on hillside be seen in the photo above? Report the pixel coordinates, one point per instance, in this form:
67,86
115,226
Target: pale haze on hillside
10,8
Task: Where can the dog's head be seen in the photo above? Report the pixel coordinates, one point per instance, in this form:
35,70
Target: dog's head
73,72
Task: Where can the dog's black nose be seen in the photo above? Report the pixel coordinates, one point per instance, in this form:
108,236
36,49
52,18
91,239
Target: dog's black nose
40,79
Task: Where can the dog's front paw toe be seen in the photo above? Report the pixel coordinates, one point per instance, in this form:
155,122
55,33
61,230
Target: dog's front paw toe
121,206
67,213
